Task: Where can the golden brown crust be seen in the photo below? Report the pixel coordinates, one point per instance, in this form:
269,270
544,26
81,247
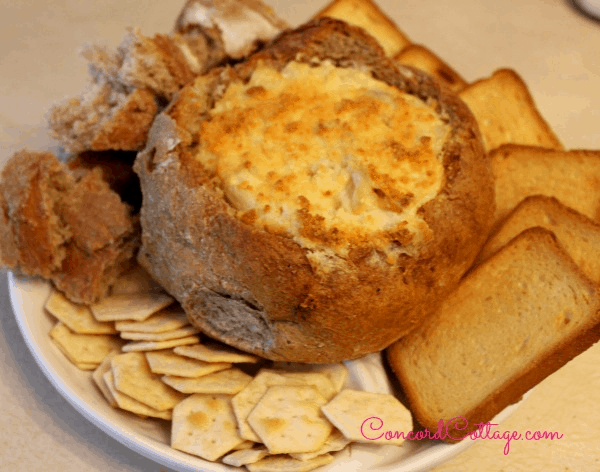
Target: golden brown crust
72,230
258,290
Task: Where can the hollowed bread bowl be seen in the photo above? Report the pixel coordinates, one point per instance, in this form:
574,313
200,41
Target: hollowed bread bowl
316,201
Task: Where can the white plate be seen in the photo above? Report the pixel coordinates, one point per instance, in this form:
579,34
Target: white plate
151,438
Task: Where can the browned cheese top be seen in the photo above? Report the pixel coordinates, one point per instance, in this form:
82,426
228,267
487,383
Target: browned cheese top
328,156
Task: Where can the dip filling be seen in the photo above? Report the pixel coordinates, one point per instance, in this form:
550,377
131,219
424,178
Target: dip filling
328,155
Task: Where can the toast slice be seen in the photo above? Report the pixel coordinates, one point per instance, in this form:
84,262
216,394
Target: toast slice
506,112
513,321
367,15
422,58
579,235
573,177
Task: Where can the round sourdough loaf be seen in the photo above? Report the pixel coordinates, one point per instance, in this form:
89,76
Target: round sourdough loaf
314,202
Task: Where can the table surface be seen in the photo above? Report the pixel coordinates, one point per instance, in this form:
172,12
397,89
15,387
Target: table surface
547,42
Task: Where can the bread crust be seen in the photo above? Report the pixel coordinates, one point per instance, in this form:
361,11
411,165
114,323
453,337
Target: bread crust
257,290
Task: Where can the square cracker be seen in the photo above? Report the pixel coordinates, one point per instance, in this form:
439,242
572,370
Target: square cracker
246,400
77,317
215,353
229,382
98,377
130,306
125,402
335,442
284,463
85,349
133,377
288,419
245,456
167,319
164,336
169,363
159,345
361,416
205,426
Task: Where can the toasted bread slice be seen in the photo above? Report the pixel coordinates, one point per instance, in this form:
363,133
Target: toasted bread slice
579,235
367,15
506,112
514,320
64,226
426,60
573,177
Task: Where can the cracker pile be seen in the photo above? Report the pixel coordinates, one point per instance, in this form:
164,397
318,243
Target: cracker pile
224,405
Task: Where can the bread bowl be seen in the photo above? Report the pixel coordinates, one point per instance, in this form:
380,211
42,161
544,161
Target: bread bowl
323,269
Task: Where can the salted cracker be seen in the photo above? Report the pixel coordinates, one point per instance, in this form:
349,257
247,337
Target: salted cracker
288,419
360,416
77,317
133,377
83,349
205,426
216,353
130,306
229,381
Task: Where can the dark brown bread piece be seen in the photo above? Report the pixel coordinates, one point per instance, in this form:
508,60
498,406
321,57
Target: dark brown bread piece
517,318
258,290
70,228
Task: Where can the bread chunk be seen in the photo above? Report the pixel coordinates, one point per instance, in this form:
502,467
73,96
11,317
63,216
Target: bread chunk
239,27
573,177
506,112
349,244
424,59
579,235
517,318
72,230
132,83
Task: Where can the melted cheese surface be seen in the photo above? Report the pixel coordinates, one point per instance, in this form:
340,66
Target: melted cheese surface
325,154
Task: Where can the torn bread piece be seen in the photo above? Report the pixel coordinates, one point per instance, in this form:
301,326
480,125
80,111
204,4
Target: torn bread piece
367,15
103,117
131,84
513,321
68,227
239,27
507,113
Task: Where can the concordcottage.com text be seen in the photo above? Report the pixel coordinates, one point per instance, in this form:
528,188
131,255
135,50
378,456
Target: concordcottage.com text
372,427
